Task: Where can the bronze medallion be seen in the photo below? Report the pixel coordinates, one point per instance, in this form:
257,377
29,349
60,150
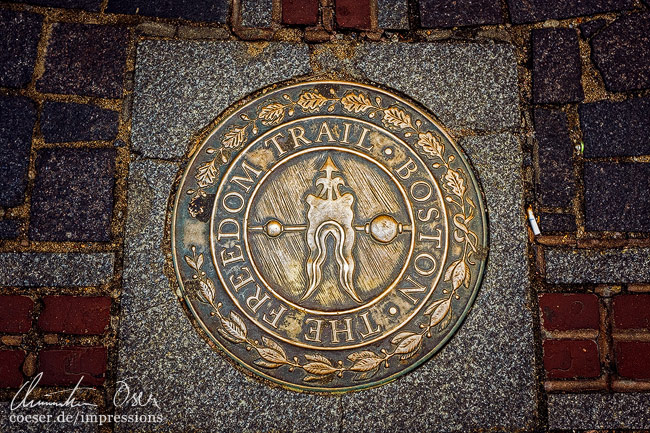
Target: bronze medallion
329,236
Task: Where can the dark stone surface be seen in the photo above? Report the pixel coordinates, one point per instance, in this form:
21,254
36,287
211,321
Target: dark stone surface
19,34
622,53
453,13
61,122
557,222
85,60
616,196
556,66
616,128
556,186
9,229
73,195
528,11
589,28
195,10
89,5
17,117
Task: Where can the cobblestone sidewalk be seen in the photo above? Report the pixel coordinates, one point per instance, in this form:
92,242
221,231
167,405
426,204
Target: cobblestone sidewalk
101,101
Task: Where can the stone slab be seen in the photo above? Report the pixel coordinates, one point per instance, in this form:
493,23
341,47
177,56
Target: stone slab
616,128
85,59
616,196
256,13
88,5
62,122
480,379
19,34
55,269
17,118
573,266
556,66
556,181
458,13
599,411
484,377
528,11
393,14
182,86
621,52
196,10
72,199
467,86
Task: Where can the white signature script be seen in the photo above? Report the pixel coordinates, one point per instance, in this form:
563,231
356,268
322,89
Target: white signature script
124,396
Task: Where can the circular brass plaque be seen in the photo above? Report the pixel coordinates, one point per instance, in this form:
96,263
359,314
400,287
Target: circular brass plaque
329,236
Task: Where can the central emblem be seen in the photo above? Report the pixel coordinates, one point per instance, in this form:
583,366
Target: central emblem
329,236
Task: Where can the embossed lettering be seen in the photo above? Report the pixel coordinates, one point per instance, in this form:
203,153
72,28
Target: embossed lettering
228,257
407,169
299,136
239,198
276,315
415,288
366,322
426,270
429,238
240,280
274,140
347,330
324,130
255,302
314,331
246,181
226,223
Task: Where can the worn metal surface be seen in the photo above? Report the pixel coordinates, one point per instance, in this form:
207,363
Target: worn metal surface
329,236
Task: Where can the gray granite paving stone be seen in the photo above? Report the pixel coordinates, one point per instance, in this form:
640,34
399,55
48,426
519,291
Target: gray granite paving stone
182,86
149,188
556,222
616,196
592,27
393,14
55,269
622,53
195,386
573,266
19,34
61,122
89,5
599,411
256,13
17,117
484,377
466,85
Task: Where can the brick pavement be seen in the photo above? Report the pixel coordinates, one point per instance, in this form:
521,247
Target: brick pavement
66,91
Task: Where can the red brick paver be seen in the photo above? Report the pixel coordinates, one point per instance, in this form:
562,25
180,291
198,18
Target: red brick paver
10,361
633,359
66,365
353,14
566,311
75,315
565,359
632,312
300,12
15,314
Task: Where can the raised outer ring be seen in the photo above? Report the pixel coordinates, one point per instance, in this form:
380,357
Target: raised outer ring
292,386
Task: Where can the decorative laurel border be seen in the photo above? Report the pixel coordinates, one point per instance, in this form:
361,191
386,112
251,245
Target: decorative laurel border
366,363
